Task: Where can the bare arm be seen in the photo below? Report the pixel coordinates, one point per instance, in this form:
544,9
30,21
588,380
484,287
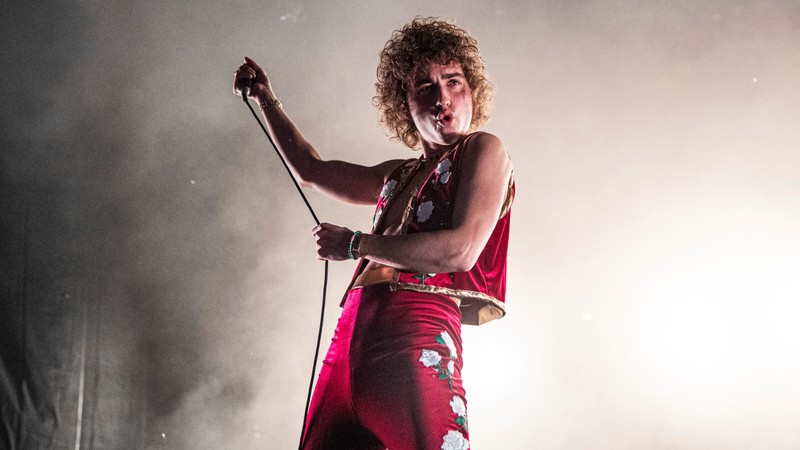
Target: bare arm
485,172
345,181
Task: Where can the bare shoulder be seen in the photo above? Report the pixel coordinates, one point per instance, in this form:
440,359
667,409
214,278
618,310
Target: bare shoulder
482,139
386,168
375,177
483,147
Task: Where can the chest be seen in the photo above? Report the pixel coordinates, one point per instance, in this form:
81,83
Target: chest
417,197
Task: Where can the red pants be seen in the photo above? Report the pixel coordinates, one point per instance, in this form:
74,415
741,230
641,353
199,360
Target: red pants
392,375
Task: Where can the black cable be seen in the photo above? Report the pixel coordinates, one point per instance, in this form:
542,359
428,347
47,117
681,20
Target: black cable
324,283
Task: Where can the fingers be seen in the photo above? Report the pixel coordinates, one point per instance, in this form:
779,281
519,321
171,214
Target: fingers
251,74
322,246
252,64
240,77
260,75
331,241
317,229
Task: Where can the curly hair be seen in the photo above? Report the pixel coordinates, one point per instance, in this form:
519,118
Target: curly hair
410,51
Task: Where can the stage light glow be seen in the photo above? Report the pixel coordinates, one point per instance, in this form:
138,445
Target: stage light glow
717,317
493,374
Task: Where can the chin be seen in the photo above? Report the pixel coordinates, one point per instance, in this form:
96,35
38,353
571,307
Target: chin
453,136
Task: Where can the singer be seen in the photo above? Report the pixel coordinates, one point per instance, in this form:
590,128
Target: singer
436,255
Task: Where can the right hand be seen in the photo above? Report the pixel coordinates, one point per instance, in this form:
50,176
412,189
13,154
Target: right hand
250,71
332,241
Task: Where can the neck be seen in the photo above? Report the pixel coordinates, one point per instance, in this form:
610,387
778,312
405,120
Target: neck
431,155
432,151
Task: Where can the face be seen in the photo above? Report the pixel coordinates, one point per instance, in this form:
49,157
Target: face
440,103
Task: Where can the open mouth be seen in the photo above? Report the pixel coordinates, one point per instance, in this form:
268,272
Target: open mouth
445,118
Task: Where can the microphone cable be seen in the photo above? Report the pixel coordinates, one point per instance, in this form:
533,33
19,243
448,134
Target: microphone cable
245,91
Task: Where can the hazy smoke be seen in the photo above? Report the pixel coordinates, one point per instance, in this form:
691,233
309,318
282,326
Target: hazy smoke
649,140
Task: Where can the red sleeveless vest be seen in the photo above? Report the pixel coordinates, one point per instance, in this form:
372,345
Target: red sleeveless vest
481,290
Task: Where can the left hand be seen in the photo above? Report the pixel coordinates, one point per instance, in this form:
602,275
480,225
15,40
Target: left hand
253,74
332,241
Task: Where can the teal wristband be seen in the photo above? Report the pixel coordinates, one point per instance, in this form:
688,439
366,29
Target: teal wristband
353,244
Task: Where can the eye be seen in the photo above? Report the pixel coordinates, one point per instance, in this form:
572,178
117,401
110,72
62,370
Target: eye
454,82
424,89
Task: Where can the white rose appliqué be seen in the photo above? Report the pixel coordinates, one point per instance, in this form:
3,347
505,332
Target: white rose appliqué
454,440
430,358
445,339
388,188
443,170
377,216
460,409
444,369
424,211
458,406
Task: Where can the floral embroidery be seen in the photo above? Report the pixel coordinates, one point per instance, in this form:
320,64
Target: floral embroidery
388,188
444,372
443,171
445,339
432,359
454,440
377,216
458,405
460,408
422,277
424,211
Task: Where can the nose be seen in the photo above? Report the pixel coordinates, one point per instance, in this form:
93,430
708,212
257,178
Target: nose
444,98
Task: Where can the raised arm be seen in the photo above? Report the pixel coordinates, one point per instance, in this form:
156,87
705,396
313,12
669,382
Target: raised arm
344,181
485,173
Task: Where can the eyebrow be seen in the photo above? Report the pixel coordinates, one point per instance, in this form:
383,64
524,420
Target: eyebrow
446,76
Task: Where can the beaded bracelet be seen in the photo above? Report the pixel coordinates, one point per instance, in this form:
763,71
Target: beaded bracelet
263,104
354,241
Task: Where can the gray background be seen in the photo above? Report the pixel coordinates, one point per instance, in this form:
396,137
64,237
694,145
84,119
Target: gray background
159,286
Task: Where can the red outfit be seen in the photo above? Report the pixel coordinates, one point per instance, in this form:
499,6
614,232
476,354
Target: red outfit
481,290
392,375
375,390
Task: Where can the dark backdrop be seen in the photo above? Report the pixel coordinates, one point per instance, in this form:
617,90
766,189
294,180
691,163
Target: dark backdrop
157,281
